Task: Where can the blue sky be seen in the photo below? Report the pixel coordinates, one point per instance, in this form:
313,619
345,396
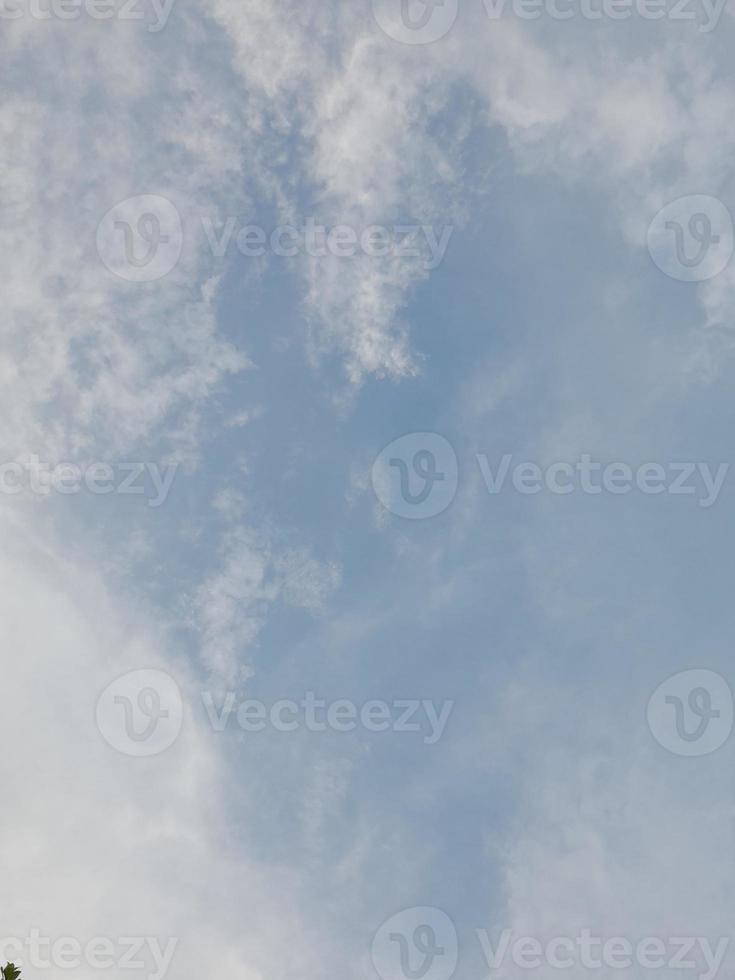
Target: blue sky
546,621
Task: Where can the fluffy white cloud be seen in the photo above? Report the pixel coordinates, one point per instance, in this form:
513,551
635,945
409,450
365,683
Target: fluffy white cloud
312,110
101,844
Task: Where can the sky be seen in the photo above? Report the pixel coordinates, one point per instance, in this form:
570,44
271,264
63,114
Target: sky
365,489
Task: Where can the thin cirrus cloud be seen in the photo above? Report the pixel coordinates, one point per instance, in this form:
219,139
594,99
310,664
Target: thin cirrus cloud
274,111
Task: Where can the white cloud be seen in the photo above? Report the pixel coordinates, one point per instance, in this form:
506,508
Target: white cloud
102,844
304,106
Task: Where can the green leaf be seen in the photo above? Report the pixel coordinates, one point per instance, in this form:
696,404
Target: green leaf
10,972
